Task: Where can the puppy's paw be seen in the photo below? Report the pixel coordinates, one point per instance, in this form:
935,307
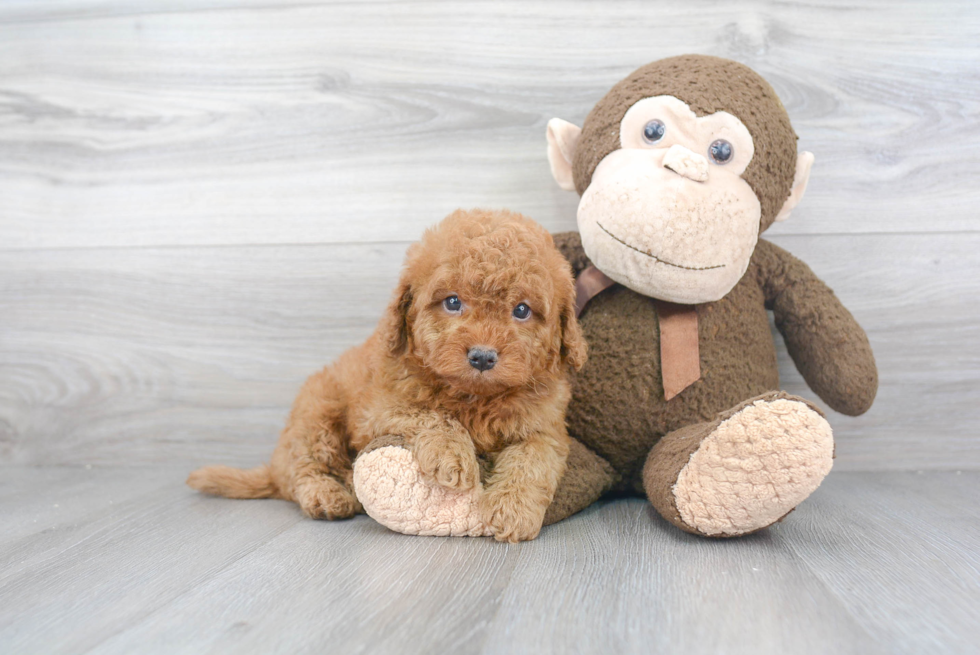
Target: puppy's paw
510,517
450,463
326,498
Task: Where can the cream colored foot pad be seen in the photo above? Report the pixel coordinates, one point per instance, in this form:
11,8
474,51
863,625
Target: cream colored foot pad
754,468
395,494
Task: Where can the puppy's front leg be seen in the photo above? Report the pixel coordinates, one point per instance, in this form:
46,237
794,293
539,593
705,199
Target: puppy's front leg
444,451
522,485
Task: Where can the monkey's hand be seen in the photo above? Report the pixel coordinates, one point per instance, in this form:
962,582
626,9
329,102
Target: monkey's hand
827,345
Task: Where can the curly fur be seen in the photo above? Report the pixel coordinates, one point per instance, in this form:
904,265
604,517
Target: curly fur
412,378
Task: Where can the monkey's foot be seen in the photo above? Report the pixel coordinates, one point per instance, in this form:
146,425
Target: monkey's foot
744,471
390,485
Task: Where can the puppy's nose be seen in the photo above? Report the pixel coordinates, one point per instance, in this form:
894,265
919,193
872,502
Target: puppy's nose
482,359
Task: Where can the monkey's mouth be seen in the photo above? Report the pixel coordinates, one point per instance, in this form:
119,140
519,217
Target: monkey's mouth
652,256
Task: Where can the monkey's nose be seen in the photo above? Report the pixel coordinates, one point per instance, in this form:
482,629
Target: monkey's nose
482,359
686,163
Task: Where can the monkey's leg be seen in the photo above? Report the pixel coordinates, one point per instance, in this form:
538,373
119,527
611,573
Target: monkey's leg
394,492
389,483
587,477
743,471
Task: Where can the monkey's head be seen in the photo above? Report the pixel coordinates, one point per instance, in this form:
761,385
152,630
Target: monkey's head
680,167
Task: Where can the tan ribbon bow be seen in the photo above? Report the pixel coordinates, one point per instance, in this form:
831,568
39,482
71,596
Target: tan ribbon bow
680,359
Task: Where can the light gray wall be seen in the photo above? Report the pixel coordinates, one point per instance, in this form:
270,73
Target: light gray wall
201,202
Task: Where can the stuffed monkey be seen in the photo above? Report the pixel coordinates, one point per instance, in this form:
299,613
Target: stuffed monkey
680,168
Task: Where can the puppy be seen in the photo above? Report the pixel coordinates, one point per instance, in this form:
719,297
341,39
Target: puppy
470,359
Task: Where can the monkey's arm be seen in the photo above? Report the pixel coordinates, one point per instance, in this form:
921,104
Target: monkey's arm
828,346
569,244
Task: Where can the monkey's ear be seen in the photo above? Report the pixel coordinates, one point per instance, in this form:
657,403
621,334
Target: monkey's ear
562,139
803,163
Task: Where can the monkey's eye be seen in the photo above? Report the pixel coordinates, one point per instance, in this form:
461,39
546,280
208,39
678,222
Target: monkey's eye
453,304
522,312
654,131
721,151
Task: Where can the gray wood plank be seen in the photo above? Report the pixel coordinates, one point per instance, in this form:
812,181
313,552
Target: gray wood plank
32,11
873,562
171,339
351,588
611,580
67,588
188,355
621,580
211,123
902,553
60,499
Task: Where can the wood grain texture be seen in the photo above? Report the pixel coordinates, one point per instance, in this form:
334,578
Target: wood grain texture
193,355
873,562
924,531
201,123
59,499
75,584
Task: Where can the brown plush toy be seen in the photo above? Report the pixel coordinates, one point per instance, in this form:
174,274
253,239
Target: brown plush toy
680,168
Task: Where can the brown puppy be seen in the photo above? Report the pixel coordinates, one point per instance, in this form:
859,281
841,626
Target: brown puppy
470,359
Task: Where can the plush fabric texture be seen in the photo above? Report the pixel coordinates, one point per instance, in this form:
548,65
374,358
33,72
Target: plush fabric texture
707,85
827,345
618,409
683,161
587,477
664,465
562,139
590,283
393,491
744,471
664,235
680,359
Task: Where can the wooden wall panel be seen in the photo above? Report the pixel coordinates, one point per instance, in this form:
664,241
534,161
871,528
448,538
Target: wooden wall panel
150,356
158,124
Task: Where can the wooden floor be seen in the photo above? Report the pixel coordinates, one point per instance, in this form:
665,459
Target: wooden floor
130,561
204,201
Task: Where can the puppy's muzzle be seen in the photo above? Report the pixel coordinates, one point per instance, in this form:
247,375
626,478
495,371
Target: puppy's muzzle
482,359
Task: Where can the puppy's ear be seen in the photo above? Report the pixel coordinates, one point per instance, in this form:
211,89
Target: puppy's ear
574,350
394,325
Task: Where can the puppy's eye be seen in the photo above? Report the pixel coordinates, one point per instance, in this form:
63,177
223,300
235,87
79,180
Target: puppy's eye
654,131
453,304
522,312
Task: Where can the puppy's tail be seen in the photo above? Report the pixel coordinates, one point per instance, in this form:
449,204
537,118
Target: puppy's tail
234,483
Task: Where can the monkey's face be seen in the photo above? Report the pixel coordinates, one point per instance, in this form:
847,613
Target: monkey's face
680,166
668,213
